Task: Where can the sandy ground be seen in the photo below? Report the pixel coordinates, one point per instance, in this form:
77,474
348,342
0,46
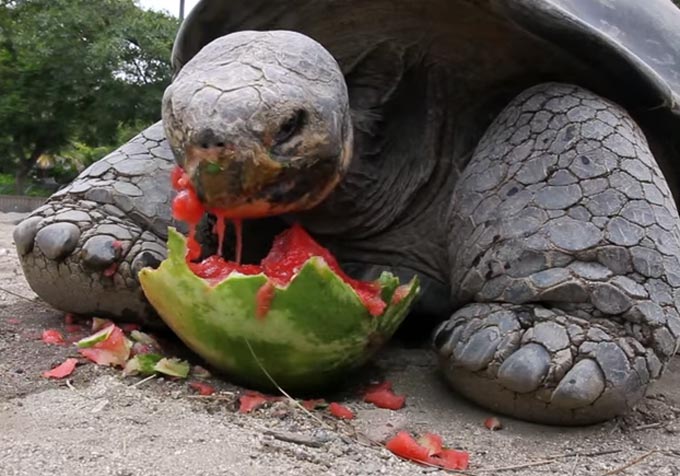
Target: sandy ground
101,423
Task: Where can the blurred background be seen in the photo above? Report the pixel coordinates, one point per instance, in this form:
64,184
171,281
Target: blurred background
77,79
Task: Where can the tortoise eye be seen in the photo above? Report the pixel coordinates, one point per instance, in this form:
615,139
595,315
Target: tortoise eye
290,127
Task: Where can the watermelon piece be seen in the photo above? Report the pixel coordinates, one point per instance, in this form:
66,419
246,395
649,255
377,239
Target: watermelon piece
294,247
106,347
317,326
252,400
141,349
291,250
451,459
186,206
143,343
404,445
216,269
99,336
313,404
340,411
401,292
144,364
52,336
427,450
202,388
99,323
172,367
493,424
263,299
62,370
178,179
432,442
382,396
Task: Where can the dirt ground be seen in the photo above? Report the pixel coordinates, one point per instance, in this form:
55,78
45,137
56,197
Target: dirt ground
101,423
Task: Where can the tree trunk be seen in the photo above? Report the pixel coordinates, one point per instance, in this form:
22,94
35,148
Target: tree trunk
23,169
20,180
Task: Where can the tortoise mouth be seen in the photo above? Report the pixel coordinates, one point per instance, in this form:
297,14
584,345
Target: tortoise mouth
251,183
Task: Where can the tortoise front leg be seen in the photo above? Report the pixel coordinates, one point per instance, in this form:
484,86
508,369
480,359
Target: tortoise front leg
563,244
82,250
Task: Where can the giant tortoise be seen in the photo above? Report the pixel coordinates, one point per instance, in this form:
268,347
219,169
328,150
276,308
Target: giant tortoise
520,156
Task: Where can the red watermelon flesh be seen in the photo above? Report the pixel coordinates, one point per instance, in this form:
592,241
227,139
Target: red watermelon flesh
382,396
291,249
428,449
340,411
62,370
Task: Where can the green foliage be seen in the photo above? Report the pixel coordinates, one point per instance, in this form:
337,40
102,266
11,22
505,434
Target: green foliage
35,189
6,183
74,74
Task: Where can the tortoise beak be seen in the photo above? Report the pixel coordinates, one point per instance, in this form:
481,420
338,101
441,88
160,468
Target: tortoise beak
231,180
247,182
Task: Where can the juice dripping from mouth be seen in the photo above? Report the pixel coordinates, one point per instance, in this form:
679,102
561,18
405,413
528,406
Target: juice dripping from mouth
188,208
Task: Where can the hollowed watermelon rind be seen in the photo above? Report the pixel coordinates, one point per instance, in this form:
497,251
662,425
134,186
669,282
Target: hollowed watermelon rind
315,330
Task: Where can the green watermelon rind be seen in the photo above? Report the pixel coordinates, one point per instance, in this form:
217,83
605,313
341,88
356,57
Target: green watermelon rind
316,329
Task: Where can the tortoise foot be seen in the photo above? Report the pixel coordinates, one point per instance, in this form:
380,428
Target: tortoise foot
544,365
564,225
82,250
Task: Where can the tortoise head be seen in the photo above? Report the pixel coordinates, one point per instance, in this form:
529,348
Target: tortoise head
260,121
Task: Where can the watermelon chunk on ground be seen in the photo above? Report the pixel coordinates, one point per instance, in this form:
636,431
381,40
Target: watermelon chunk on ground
62,370
340,411
451,459
404,445
432,442
382,396
202,388
52,336
427,450
173,367
106,347
144,364
252,400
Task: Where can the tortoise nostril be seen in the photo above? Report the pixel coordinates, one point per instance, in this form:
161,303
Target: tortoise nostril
207,139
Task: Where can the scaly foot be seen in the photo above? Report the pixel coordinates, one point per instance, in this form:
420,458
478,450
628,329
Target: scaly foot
82,250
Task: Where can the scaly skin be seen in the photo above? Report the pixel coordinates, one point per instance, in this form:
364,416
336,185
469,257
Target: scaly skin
563,252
